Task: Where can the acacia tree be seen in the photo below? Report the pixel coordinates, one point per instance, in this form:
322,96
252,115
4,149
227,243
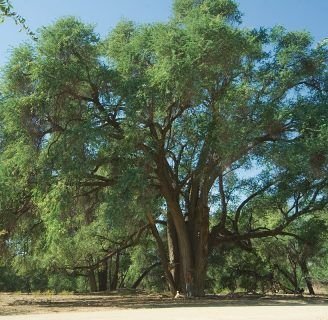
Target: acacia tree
56,150
211,100
169,121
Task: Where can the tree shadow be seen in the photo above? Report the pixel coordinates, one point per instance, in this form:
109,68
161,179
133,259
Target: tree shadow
139,301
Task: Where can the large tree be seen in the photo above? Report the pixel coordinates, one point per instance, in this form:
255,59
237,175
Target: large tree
210,127
212,102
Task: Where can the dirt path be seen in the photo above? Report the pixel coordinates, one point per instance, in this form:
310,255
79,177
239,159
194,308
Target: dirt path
161,307
192,313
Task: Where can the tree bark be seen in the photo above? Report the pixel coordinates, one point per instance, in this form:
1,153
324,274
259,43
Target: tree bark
162,254
171,193
192,241
114,279
92,281
185,248
307,277
199,229
103,276
192,236
173,250
110,270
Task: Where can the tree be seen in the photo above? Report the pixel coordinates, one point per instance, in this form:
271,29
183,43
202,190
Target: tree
168,121
210,101
71,215
6,10
310,247
292,258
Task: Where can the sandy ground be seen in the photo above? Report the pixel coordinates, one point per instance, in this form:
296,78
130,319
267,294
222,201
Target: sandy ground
159,307
192,313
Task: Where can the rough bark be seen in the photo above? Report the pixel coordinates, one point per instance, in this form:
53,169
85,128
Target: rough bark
171,193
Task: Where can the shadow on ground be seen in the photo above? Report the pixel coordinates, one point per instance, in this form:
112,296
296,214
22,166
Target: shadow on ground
23,303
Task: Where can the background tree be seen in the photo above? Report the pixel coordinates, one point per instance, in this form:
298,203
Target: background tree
62,190
6,11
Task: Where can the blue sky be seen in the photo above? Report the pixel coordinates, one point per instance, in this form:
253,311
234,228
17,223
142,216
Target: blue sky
308,15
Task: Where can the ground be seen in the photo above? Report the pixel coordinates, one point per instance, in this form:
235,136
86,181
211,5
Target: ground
141,306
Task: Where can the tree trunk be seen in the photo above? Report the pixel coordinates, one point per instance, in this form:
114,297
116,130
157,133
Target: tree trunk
162,254
92,281
193,253
103,276
307,277
144,274
173,250
198,227
199,230
192,239
309,285
185,248
114,280
110,271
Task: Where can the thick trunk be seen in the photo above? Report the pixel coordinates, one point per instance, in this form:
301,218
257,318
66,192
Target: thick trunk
198,227
103,276
171,194
189,242
185,249
192,235
173,250
199,230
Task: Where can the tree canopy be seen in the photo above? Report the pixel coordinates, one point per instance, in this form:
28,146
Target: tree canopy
201,133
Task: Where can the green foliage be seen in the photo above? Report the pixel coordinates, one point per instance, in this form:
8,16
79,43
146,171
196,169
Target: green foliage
96,134
9,281
6,10
233,269
226,9
5,7
274,264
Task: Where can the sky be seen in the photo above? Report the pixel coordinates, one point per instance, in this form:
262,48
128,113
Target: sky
310,15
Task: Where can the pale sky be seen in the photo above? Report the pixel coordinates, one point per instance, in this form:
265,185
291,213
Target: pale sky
308,15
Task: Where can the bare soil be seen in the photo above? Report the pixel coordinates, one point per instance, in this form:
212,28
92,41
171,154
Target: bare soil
120,303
